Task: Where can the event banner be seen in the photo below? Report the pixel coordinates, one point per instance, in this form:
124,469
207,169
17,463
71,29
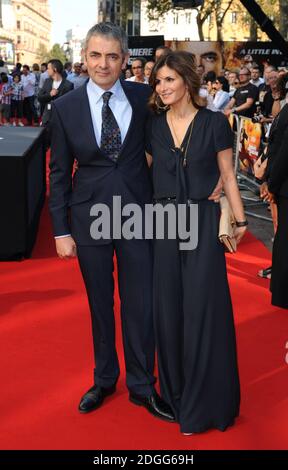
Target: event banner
250,142
216,56
144,46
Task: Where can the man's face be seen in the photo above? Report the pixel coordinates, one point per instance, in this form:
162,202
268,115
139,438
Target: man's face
104,60
272,78
25,71
244,76
148,68
255,74
77,68
207,54
159,53
137,68
231,78
50,70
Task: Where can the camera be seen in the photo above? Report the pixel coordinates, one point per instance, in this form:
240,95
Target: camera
257,118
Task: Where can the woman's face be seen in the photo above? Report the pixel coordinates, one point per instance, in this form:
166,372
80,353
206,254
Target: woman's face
170,86
217,85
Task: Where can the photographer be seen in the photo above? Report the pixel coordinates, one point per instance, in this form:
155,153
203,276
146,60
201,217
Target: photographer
271,101
244,98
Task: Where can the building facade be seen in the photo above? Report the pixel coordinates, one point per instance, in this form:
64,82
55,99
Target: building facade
33,29
181,25
178,24
74,43
7,32
125,13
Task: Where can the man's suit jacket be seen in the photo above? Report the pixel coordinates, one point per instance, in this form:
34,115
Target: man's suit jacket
45,98
277,168
97,178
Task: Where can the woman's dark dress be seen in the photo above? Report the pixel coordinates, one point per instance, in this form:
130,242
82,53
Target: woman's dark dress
194,325
277,177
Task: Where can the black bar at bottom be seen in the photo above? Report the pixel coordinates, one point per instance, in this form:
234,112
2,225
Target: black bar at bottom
128,459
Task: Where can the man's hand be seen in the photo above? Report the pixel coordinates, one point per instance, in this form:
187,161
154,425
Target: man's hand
265,194
65,247
53,92
215,196
227,111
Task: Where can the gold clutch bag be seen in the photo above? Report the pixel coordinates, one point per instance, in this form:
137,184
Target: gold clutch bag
227,226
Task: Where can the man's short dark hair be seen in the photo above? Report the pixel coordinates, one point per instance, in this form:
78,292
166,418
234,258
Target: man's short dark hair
163,48
57,65
140,59
26,67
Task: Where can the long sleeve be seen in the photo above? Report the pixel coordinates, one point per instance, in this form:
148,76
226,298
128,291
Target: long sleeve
279,169
61,166
44,93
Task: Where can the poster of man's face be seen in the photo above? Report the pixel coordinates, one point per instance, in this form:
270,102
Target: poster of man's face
216,55
208,54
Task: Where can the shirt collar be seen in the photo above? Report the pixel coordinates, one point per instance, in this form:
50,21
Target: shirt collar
96,91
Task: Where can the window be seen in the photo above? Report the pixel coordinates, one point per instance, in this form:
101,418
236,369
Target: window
18,25
18,39
233,17
209,19
188,18
175,18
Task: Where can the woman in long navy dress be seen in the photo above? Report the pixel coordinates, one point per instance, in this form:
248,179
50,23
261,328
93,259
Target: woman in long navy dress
191,147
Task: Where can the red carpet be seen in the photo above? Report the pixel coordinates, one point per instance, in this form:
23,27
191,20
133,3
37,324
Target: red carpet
47,363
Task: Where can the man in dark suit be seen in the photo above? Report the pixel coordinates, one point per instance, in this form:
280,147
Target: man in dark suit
102,125
54,87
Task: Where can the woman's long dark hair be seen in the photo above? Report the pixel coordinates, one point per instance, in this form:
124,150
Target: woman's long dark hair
184,64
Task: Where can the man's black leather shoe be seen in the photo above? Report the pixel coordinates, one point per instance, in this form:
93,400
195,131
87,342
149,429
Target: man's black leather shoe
155,405
94,398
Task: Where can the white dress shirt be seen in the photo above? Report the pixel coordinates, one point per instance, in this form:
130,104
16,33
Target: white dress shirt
221,99
28,82
118,103
133,79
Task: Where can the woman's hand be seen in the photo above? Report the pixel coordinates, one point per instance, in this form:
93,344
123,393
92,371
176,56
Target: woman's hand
263,190
265,193
239,232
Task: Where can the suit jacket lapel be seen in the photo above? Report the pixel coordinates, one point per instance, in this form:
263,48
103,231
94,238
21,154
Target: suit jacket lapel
132,100
86,119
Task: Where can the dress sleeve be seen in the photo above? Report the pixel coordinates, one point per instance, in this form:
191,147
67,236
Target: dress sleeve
222,132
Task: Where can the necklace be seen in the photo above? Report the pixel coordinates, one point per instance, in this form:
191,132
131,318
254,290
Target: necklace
173,128
189,138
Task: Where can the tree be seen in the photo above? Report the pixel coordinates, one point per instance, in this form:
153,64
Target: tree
57,53
215,8
42,53
220,11
283,7
270,8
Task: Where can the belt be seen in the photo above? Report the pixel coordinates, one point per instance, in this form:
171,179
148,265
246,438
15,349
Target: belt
163,199
189,201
